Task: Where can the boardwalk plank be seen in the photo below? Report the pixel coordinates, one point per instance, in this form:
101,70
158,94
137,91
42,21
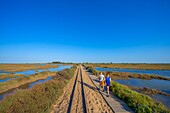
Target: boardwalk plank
115,103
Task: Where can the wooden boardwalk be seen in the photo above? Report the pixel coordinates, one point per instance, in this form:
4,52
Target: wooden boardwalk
115,103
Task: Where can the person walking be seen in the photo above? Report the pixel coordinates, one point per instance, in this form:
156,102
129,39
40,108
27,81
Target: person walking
108,82
101,79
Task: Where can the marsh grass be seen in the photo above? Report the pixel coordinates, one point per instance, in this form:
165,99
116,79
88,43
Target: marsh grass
23,67
38,99
3,76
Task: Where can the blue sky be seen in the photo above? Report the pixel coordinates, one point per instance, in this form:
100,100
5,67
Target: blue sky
117,31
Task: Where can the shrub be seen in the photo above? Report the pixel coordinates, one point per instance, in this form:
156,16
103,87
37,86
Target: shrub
140,103
91,70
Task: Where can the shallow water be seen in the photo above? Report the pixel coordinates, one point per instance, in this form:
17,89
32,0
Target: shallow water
60,68
165,73
4,72
31,72
5,80
2,95
26,73
162,99
39,81
162,85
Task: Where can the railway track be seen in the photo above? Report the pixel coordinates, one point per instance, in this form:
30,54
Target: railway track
77,101
83,93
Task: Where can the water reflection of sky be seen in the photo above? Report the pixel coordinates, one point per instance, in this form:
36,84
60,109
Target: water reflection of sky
39,81
4,72
6,93
60,68
26,73
163,85
157,72
163,99
30,72
5,80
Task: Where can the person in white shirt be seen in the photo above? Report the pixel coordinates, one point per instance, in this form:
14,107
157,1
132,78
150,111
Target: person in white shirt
102,81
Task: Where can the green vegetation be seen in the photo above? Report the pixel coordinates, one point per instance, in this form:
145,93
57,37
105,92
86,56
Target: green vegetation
5,86
38,99
3,76
132,66
23,67
140,103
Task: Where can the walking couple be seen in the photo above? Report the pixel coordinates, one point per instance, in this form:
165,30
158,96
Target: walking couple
104,81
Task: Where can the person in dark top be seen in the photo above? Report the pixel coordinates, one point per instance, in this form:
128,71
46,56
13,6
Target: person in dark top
108,82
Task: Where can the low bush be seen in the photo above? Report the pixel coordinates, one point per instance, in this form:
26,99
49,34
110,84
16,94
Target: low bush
91,70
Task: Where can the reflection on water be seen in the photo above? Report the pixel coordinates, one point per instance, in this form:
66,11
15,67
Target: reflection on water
30,72
39,81
4,80
2,95
4,72
165,73
162,85
26,73
163,99
60,68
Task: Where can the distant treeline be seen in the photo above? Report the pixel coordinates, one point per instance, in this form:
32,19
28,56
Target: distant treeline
58,62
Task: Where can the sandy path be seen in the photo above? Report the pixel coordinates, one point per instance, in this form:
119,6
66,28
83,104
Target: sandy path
77,104
94,101
61,105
